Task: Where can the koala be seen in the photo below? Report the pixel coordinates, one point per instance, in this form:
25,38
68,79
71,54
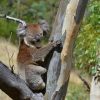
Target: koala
31,53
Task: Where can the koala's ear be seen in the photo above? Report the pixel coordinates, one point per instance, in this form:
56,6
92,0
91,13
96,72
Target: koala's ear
21,30
44,25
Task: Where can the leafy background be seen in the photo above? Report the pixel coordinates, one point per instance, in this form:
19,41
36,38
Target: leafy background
88,42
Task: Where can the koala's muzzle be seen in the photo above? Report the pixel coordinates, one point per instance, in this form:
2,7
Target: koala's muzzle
38,39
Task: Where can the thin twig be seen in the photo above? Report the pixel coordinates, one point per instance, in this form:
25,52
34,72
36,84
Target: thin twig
10,38
10,58
15,19
85,82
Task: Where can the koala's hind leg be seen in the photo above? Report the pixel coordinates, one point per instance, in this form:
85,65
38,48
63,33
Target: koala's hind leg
33,77
21,73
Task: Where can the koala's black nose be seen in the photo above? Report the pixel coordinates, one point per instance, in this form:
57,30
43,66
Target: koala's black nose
37,37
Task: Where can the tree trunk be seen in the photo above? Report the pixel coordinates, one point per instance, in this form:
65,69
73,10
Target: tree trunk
95,90
55,63
66,27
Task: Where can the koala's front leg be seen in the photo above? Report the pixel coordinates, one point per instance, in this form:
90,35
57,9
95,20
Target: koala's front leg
33,77
42,52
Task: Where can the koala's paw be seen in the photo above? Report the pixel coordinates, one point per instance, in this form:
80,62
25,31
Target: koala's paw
56,43
39,86
35,82
42,86
51,39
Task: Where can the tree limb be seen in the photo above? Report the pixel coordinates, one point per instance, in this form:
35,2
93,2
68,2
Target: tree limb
85,82
14,19
15,87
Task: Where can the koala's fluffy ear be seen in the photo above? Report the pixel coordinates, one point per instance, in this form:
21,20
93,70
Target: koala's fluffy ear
44,25
21,30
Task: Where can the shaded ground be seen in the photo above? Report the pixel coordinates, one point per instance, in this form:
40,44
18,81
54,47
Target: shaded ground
76,89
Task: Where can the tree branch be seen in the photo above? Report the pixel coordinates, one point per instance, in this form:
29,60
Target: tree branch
85,82
14,19
15,87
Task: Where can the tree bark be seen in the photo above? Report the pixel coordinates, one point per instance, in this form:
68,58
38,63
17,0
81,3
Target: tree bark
95,90
55,63
15,87
70,15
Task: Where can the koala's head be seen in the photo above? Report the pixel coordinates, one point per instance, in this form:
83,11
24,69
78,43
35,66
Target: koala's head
34,33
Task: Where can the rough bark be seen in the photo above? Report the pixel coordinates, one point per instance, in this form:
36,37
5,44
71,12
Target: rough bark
95,90
55,63
15,87
72,21
14,19
70,17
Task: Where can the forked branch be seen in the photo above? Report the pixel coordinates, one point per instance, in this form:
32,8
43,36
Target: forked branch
14,19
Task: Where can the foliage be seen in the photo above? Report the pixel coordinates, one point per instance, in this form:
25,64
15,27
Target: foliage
88,41
28,10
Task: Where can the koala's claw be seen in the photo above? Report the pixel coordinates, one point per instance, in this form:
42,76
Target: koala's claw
51,39
58,42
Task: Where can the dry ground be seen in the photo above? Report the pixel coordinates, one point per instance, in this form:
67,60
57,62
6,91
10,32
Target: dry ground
6,47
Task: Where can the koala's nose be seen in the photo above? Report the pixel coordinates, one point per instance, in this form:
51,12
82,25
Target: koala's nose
37,37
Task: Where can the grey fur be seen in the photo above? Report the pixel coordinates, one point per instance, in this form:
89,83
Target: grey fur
21,30
44,25
33,77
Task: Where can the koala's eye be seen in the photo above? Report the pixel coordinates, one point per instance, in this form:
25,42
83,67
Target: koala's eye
41,34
